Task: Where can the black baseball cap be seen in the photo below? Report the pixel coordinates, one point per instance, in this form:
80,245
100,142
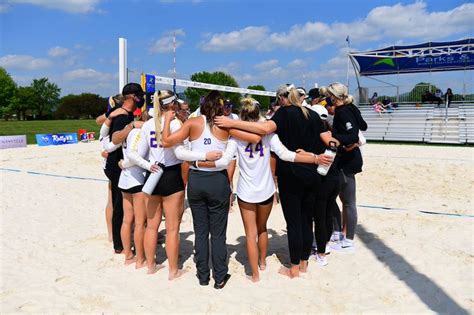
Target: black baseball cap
133,88
314,93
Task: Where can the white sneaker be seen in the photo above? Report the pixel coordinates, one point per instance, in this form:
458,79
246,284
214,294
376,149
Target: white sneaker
347,245
328,249
321,260
336,246
336,236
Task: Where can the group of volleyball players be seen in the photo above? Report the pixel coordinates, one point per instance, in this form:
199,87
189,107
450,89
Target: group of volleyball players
200,150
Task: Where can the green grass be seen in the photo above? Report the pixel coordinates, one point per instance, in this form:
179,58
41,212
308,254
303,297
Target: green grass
30,128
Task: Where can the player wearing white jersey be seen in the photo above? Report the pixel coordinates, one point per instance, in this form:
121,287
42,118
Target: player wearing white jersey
208,191
168,194
256,187
298,129
134,213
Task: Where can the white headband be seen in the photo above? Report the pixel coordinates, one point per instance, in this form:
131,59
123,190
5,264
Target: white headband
168,100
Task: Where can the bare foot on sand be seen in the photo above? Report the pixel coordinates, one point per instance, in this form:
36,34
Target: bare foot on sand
303,266
253,279
177,274
140,264
262,265
286,272
130,260
154,269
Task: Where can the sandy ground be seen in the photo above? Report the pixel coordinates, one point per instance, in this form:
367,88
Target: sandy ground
56,257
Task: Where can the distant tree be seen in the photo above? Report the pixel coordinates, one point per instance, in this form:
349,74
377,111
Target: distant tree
46,96
68,108
219,78
85,105
263,100
23,101
7,92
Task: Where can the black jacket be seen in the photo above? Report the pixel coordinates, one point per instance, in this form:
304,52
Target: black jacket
346,125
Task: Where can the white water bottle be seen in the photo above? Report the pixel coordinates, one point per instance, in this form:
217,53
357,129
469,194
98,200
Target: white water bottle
153,180
331,151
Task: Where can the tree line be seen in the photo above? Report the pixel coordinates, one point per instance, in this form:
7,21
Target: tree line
41,99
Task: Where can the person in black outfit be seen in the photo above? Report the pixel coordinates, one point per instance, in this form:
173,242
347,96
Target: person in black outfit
346,125
297,128
326,208
448,97
121,122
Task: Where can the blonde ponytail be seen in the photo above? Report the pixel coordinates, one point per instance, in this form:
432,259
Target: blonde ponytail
323,91
294,98
340,91
349,99
249,109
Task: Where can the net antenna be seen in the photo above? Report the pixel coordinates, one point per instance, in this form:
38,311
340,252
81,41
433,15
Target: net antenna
174,62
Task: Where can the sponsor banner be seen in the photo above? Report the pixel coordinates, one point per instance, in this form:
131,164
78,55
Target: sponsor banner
7,142
426,57
390,65
56,139
150,83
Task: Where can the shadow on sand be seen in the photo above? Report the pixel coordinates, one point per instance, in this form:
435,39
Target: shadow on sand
426,289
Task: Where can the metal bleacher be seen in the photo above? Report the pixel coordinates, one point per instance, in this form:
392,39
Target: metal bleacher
426,124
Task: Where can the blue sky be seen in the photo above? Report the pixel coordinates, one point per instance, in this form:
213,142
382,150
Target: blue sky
75,42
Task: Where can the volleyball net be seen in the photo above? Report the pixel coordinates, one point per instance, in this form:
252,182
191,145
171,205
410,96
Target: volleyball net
151,83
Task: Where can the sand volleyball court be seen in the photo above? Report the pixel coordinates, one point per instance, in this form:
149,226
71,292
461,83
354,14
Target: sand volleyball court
56,256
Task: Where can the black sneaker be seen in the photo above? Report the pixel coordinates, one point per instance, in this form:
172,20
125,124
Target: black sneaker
223,283
203,282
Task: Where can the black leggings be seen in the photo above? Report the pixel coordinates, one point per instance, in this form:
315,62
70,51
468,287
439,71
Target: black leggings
297,202
324,211
117,205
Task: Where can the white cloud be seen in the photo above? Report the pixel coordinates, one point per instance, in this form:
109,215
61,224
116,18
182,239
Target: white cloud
266,65
88,74
58,51
24,62
245,78
165,43
247,38
298,64
4,8
230,68
414,21
70,6
177,32
22,80
82,47
411,21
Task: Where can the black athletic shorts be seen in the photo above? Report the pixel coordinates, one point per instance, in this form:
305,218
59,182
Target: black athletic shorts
133,190
170,182
263,203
